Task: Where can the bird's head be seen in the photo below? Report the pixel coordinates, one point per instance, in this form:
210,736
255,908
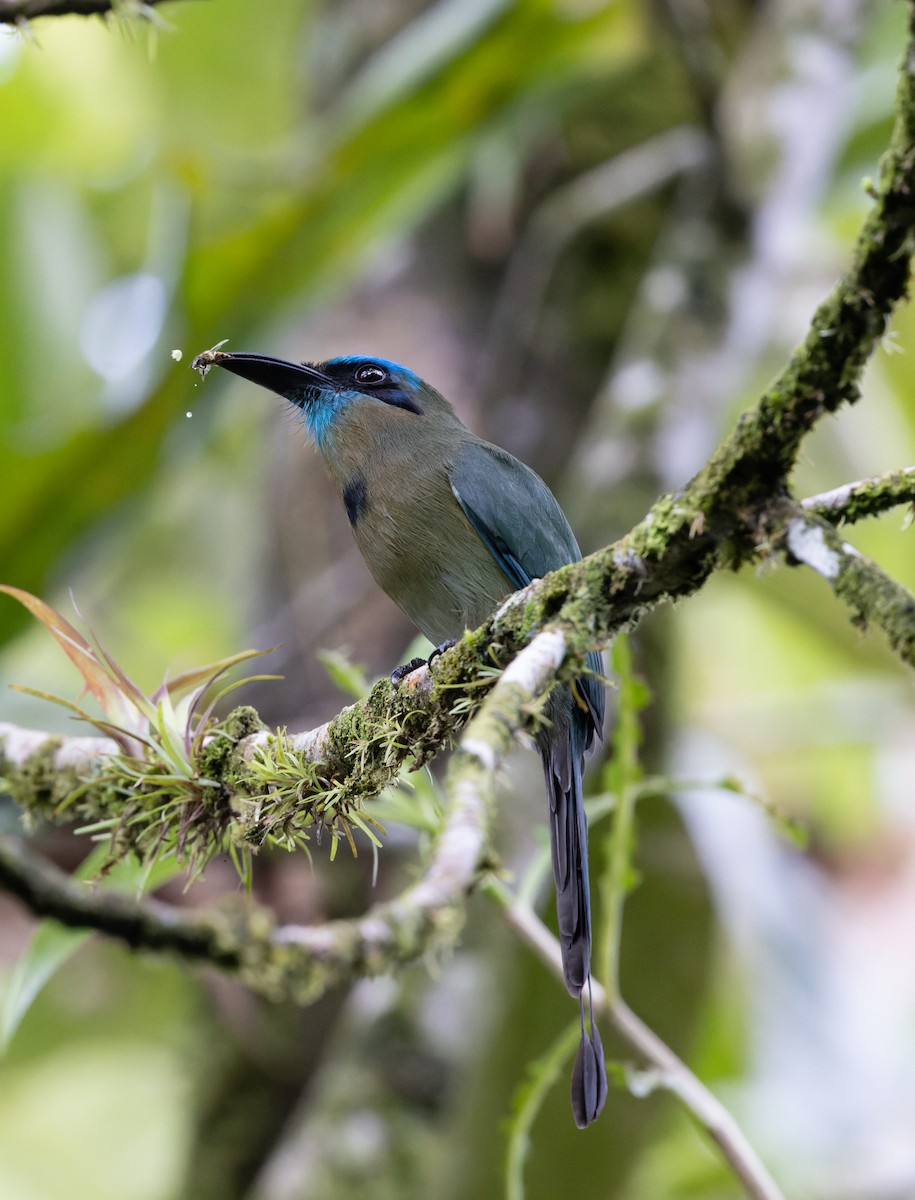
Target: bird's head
325,391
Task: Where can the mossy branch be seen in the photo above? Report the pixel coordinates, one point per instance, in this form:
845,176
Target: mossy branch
873,597
301,962
864,498
349,760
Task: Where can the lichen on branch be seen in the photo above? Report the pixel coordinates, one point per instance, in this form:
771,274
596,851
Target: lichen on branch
864,498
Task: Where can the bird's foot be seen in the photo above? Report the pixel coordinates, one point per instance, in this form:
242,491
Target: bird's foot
400,673
446,645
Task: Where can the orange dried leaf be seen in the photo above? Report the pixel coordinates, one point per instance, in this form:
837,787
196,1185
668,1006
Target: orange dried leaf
96,677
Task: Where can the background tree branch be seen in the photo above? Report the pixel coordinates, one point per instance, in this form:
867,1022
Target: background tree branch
864,498
16,12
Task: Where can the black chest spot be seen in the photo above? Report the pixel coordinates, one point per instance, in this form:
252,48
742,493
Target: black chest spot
356,498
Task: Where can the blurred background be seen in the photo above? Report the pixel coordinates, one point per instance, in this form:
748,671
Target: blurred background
599,228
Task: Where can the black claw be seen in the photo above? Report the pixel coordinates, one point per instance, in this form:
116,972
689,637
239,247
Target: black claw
446,645
414,663
402,672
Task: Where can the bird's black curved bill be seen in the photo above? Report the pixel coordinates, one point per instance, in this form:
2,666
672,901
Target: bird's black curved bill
275,374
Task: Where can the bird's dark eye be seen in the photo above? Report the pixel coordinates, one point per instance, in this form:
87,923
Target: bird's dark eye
371,375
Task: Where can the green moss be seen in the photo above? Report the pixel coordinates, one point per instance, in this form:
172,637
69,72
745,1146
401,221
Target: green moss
219,759
873,598
39,785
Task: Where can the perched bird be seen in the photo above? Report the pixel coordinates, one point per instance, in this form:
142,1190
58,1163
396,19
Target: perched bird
449,525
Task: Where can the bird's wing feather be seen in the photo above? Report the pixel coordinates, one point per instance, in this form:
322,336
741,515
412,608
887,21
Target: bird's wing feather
513,511
519,520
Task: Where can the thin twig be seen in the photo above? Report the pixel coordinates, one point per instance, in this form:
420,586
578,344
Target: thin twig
673,1075
864,497
626,775
676,1077
17,12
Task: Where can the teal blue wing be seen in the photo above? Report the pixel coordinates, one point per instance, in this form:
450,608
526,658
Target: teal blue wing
519,520
515,514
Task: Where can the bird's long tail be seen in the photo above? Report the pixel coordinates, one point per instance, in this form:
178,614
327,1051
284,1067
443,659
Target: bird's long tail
562,747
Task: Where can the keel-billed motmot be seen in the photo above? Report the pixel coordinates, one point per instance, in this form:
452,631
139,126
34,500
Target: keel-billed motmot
449,525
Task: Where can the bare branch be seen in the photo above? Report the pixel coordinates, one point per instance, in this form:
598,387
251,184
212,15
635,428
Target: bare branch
18,12
50,892
18,745
672,1074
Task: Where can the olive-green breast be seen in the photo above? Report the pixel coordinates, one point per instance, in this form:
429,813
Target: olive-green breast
393,468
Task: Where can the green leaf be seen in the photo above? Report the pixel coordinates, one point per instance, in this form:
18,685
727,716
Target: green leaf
53,944
171,738
348,676
405,62
205,675
529,1098
96,673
